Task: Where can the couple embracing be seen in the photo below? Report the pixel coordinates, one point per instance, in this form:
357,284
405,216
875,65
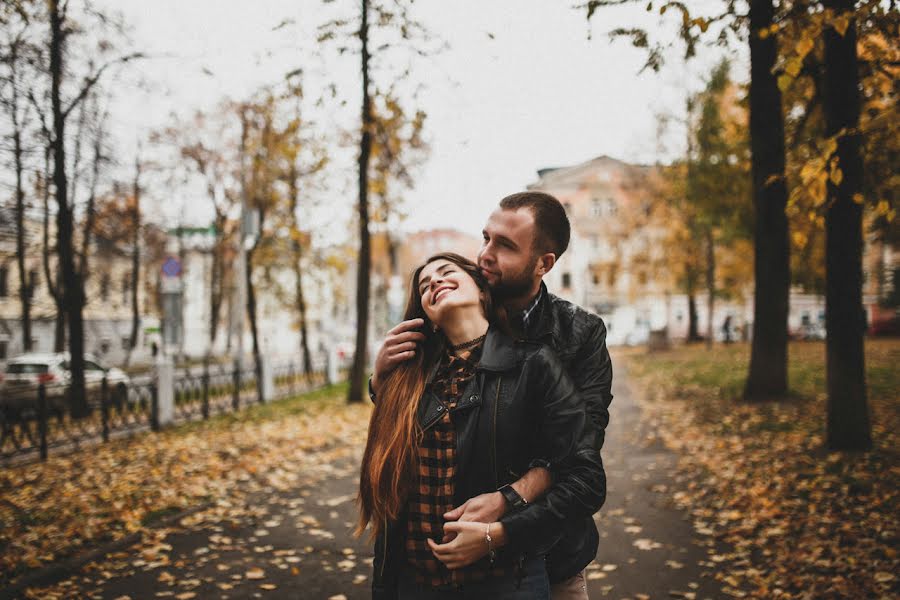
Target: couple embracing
482,468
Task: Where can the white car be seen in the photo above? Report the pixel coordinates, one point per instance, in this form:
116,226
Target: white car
24,373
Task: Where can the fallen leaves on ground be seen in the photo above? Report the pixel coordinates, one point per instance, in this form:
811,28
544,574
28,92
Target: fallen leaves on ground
52,510
800,522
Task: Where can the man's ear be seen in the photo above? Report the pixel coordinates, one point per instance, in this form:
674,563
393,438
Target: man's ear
545,263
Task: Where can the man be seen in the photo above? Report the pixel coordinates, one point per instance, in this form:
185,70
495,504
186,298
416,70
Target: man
523,239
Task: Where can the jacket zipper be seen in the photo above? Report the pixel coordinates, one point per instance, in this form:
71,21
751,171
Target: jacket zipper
494,436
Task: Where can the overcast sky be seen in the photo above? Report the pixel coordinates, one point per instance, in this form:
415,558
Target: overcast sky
520,87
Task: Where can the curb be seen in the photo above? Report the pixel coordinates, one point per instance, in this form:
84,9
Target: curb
53,573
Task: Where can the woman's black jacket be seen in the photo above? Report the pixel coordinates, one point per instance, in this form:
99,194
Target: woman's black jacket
520,407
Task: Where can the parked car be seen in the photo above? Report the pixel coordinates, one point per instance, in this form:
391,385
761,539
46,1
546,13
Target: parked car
885,322
24,373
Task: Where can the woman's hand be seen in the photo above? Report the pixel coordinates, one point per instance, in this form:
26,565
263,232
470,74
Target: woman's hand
469,544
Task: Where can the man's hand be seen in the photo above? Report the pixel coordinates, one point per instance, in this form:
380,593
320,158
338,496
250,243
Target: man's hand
485,508
399,345
468,543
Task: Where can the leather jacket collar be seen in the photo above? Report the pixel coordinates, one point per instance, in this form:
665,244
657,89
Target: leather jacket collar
497,355
543,319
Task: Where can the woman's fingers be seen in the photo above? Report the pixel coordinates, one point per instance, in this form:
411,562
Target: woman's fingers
409,325
404,347
409,336
396,359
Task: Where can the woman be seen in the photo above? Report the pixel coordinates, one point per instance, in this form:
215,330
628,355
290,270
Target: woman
470,413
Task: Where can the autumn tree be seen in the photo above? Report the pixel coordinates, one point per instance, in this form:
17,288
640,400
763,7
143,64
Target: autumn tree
60,44
16,65
378,27
848,414
702,201
767,376
304,159
204,149
840,76
717,176
398,149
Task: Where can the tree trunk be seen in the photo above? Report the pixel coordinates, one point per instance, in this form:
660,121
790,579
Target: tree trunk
301,308
357,373
767,376
710,286
135,262
848,413
297,257
251,311
217,283
691,291
25,286
72,292
52,277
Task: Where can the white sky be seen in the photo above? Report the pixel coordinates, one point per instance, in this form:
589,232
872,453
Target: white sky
538,94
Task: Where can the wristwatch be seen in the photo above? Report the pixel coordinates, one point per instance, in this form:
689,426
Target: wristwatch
513,499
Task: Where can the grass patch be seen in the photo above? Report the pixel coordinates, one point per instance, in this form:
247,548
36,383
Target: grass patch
722,372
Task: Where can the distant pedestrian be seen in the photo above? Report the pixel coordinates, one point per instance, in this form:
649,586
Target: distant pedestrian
726,329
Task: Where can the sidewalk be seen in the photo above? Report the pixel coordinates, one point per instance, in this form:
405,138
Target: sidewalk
295,542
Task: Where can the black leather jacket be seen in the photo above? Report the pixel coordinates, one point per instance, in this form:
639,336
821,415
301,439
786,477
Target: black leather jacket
520,406
579,340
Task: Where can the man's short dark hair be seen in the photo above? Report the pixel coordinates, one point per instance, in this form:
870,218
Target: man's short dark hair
551,223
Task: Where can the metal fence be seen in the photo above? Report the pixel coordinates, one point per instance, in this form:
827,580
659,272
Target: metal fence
36,421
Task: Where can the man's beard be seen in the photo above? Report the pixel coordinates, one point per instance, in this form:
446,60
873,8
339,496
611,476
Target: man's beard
516,285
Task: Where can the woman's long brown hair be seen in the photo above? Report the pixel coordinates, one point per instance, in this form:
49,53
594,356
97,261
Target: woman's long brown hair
389,463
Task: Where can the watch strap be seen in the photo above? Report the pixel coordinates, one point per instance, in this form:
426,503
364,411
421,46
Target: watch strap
512,497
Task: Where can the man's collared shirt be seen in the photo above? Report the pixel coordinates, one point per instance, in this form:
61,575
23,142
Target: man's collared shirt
519,321
529,310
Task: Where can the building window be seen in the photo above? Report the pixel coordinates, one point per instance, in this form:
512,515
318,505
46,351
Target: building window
32,283
611,207
596,208
4,277
596,279
4,348
104,287
126,287
567,280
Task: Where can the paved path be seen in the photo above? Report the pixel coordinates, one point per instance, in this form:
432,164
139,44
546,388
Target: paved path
297,544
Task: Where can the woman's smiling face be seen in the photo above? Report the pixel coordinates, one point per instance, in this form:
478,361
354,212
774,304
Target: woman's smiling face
443,287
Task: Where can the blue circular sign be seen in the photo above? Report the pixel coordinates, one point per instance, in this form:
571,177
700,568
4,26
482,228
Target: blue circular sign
171,267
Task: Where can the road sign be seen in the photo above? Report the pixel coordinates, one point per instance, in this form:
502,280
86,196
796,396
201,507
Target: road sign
171,267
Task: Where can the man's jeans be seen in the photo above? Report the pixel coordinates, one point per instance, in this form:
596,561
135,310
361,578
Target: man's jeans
533,585
574,588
